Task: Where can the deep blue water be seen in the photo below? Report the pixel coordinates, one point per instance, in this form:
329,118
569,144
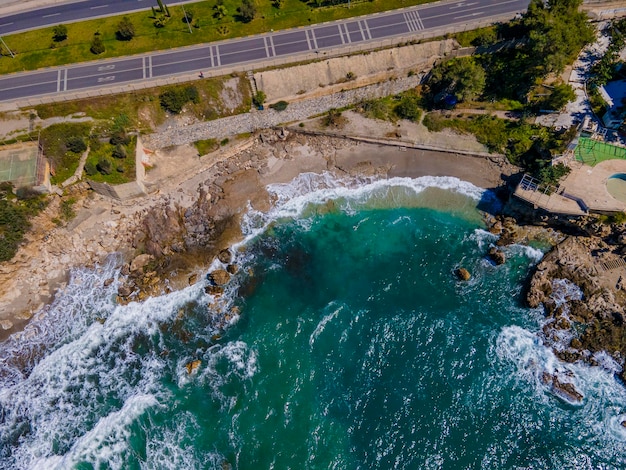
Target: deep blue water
355,347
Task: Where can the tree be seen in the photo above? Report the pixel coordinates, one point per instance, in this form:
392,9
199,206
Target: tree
562,94
90,168
59,33
125,30
278,3
247,10
463,77
97,46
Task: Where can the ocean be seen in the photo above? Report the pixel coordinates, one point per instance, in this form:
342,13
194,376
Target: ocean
344,341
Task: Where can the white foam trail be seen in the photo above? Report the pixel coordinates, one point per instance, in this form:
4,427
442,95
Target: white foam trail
533,254
76,383
322,325
107,443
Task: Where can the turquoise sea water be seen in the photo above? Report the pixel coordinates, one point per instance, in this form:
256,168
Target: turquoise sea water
356,348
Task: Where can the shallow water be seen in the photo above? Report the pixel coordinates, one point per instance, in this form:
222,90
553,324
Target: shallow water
356,347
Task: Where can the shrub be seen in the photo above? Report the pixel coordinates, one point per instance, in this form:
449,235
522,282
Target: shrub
67,209
97,46
119,137
161,20
59,33
119,151
409,108
125,30
105,166
174,99
279,106
188,16
90,169
76,144
259,98
13,224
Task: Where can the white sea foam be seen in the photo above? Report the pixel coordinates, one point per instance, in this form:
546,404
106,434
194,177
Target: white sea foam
294,199
322,324
67,391
107,444
564,290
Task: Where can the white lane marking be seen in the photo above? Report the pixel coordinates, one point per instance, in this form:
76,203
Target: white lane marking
211,55
5,24
110,78
217,55
267,47
103,68
313,38
271,41
463,4
65,80
466,16
143,66
50,16
99,6
59,80
366,27
343,41
150,66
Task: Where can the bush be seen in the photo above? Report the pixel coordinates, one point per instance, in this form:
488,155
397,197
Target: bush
97,46
279,106
13,224
188,16
59,33
119,151
409,108
125,30
90,169
76,144
119,137
247,10
174,99
105,166
259,98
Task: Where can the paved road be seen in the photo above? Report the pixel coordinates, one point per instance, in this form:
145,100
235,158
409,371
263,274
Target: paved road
71,12
251,50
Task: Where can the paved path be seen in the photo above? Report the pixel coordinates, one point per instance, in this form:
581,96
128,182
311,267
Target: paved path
275,48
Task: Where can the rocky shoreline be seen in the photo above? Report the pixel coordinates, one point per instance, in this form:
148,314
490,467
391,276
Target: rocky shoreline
169,238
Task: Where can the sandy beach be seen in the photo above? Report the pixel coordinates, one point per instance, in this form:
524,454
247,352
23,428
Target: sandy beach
103,226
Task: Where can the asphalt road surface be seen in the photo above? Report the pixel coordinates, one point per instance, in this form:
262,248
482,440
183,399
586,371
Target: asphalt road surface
71,12
250,50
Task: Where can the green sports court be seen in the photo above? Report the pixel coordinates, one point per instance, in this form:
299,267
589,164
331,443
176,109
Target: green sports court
591,152
18,164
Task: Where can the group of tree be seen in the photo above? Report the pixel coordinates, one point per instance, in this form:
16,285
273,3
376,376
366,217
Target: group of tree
605,69
547,38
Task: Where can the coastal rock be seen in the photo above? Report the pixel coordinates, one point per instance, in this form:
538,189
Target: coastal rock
192,367
192,279
232,268
125,271
140,262
497,256
225,256
463,274
124,290
564,390
215,291
219,277
108,282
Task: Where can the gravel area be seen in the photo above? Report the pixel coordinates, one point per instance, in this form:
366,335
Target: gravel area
267,118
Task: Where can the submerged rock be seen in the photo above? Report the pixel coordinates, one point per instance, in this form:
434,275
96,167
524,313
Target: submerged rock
564,390
497,256
225,256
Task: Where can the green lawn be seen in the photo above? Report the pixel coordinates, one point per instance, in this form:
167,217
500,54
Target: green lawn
36,49
591,152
